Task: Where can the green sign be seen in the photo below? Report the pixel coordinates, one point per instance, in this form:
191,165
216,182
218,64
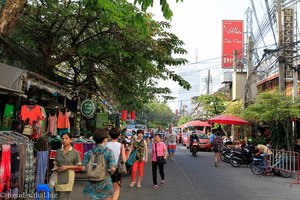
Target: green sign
102,120
88,108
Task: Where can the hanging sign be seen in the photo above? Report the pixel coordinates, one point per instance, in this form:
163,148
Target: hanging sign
88,108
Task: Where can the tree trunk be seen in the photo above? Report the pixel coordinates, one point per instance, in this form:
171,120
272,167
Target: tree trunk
9,15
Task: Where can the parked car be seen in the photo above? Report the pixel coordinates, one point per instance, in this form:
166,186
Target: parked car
204,142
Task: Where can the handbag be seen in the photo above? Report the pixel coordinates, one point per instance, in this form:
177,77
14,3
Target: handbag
121,164
160,159
52,179
27,130
132,157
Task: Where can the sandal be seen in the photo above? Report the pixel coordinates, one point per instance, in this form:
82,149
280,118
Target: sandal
138,186
131,185
162,182
155,187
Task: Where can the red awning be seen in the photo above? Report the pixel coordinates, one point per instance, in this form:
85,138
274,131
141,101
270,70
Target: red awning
228,119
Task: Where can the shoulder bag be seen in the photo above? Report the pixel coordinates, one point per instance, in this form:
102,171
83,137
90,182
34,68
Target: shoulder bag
160,159
121,164
132,157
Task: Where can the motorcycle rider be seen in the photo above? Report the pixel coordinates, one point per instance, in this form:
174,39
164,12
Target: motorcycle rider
193,136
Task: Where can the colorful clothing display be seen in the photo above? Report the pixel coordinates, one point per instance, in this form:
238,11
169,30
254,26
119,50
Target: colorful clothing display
5,174
31,112
63,120
52,121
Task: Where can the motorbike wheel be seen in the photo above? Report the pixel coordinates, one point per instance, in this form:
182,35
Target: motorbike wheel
223,158
256,168
235,162
194,152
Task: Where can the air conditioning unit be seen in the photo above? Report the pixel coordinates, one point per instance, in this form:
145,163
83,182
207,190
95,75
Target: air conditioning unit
226,78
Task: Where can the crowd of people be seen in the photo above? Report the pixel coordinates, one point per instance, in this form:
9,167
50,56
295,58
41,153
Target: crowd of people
109,144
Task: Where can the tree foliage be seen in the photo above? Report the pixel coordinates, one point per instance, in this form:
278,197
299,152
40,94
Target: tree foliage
184,119
276,110
155,113
105,48
212,104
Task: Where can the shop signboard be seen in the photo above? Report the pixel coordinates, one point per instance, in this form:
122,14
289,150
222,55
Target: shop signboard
232,39
88,108
102,120
288,39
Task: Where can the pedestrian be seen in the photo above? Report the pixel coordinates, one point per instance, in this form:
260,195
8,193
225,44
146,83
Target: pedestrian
100,189
67,160
158,149
118,149
141,158
180,137
217,147
171,142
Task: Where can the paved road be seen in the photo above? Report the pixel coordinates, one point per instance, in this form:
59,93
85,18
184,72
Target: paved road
189,178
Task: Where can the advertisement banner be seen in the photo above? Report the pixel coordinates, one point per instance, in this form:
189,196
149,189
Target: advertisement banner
232,39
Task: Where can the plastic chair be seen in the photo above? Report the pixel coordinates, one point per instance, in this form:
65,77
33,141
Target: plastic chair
46,189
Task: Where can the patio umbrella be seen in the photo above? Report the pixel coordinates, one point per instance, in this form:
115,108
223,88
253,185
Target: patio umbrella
228,119
197,123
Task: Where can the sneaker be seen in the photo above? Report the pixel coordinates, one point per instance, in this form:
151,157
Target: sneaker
162,182
138,186
155,187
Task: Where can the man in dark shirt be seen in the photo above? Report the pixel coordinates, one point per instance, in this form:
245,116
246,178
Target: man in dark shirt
193,136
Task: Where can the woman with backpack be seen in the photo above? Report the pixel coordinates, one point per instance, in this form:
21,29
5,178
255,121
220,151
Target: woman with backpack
141,158
99,189
217,147
67,160
119,151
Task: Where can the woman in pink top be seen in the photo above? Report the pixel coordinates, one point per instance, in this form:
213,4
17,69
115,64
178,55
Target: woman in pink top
158,149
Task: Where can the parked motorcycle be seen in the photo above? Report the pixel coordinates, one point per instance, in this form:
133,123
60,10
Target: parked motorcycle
244,156
226,154
194,147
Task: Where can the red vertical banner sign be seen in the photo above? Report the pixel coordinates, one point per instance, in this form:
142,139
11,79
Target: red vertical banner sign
232,39
132,115
124,115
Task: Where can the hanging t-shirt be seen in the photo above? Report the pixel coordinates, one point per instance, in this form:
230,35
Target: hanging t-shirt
63,120
52,121
31,112
8,116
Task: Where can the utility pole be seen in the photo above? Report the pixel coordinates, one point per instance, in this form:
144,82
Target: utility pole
280,41
248,91
234,60
208,82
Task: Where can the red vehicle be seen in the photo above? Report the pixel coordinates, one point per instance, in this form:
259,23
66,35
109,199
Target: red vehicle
204,142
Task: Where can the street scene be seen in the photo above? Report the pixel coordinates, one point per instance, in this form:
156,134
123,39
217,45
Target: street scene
199,179
148,99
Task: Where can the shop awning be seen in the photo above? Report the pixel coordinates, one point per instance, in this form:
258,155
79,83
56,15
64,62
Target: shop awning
13,78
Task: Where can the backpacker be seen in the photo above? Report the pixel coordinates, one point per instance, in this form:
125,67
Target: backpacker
96,167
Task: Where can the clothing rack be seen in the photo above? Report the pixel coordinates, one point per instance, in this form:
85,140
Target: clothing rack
10,136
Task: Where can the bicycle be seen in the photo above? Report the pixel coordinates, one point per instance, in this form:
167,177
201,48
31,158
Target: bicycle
258,167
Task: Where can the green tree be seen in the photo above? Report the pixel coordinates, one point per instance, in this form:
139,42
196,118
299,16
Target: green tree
108,49
212,104
184,119
155,113
276,110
